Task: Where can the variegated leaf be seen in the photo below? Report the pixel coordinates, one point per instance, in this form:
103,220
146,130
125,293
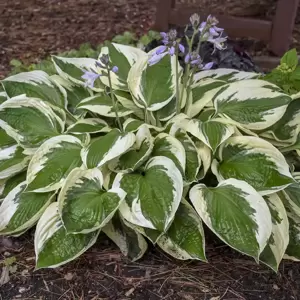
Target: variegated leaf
73,68
21,210
255,104
193,159
279,239
287,128
107,147
212,133
168,146
34,84
124,57
125,99
9,184
74,93
291,197
229,75
254,160
205,154
53,245
153,87
89,125
83,204
203,93
153,196
236,213
131,243
133,125
185,237
141,151
29,121
12,161
52,163
102,105
293,249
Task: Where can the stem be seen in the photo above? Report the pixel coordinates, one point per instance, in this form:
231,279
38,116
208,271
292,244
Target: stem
188,100
187,71
114,101
146,116
178,102
72,118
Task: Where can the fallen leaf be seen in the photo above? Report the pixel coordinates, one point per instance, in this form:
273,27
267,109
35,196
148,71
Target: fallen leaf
4,278
69,276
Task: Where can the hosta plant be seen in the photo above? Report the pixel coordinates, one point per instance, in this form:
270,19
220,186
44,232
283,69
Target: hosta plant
128,145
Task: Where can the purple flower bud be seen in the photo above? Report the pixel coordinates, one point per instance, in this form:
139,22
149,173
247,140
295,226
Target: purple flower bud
156,58
90,78
202,26
172,51
115,69
213,32
187,58
164,35
181,48
208,66
161,49
105,59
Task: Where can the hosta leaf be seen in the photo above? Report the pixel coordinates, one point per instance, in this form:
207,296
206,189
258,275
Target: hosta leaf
185,237
141,151
34,84
132,125
293,249
168,146
153,196
73,68
3,97
125,99
236,213
52,163
254,160
5,139
74,93
29,121
288,127
89,125
229,75
153,87
291,197
53,246
212,133
253,103
102,105
206,158
167,112
8,184
83,205
107,147
279,239
124,57
193,159
12,161
131,243
21,210
202,93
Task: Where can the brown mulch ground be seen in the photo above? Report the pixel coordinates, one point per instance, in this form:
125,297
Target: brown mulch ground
33,29
102,273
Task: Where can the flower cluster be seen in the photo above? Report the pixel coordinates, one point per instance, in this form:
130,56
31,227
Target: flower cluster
195,60
91,76
170,45
211,33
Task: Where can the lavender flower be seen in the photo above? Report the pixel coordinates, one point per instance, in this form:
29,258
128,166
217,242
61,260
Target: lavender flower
115,69
196,61
90,78
218,42
195,19
209,28
169,47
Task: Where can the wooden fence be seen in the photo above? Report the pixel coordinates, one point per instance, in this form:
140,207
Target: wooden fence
277,33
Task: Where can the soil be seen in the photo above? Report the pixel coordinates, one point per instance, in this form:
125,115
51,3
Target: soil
103,273
31,30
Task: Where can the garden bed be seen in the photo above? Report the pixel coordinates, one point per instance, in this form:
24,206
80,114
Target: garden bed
103,273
